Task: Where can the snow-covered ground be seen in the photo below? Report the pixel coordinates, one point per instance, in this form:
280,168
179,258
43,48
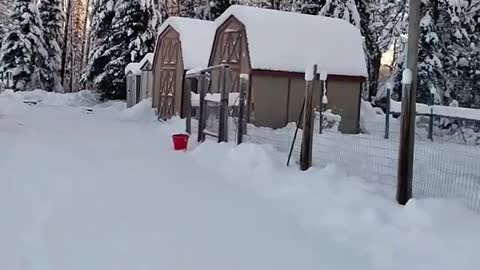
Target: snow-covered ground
104,190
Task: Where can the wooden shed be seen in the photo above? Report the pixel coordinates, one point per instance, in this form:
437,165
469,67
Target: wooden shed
134,83
275,47
182,44
146,67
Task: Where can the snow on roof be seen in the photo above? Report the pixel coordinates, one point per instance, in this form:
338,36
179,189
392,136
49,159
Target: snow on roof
148,58
288,41
134,68
196,37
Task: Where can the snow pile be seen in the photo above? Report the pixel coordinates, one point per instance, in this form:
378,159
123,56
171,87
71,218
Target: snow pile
196,39
289,41
141,111
83,98
426,234
370,117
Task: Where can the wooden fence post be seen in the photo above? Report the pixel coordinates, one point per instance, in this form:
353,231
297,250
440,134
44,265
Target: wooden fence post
409,104
405,160
202,91
188,103
387,114
322,104
308,121
241,108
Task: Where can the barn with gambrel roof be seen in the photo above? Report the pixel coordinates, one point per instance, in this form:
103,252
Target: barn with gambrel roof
274,48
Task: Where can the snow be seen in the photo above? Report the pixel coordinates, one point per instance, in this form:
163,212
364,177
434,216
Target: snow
94,191
147,59
407,76
448,111
196,38
233,98
288,41
134,68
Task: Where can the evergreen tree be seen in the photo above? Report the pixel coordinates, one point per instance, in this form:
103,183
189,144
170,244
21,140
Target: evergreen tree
217,7
448,53
130,39
23,50
6,7
52,15
102,18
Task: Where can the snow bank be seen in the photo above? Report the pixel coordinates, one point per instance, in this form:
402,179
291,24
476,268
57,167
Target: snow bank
141,111
196,39
449,111
83,98
425,234
289,41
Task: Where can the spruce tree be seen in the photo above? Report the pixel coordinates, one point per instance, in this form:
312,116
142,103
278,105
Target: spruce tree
130,39
217,7
103,14
52,15
23,50
448,53
6,7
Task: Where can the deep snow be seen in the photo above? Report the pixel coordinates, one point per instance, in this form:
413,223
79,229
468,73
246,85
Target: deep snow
106,191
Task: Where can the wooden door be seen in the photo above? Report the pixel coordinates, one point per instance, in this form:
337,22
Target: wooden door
168,75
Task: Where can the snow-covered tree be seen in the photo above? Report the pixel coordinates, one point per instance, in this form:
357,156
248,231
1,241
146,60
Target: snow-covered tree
23,50
103,14
130,38
6,7
217,7
449,42
52,15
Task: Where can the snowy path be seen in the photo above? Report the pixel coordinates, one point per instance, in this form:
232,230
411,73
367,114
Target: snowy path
94,191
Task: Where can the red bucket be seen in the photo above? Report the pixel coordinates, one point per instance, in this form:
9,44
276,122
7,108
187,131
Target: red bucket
180,141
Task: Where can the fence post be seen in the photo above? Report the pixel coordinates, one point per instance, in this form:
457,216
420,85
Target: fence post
223,126
241,107
188,103
323,97
409,105
202,91
308,121
387,114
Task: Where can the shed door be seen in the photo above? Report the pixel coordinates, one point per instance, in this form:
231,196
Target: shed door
231,54
168,75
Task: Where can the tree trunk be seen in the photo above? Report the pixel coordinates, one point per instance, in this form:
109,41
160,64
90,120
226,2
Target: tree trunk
84,45
65,41
375,65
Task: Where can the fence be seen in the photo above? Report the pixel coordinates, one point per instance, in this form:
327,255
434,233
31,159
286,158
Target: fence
443,167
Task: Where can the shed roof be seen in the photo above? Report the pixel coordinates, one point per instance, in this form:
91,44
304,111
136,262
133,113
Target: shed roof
147,59
288,41
134,68
196,37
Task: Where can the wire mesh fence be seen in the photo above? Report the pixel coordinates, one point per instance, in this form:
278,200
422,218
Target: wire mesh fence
442,169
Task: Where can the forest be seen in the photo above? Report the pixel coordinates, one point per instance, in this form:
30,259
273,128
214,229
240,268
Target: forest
70,45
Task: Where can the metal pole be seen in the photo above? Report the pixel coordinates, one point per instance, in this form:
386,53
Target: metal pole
407,131
241,108
387,114
202,91
320,107
223,136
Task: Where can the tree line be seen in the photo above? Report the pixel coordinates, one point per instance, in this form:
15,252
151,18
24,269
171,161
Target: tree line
67,45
